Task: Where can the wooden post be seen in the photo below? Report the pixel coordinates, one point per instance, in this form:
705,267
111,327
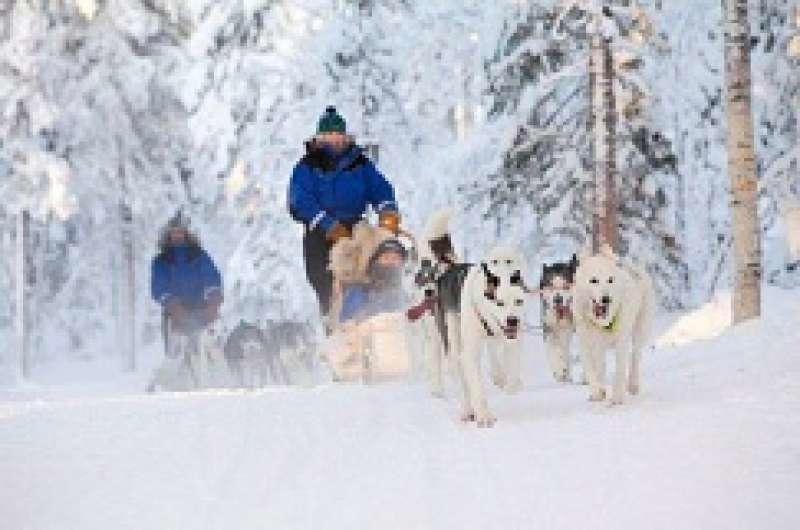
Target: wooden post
742,164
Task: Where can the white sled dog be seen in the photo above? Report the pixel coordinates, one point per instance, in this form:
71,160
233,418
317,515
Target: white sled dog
558,325
614,305
492,301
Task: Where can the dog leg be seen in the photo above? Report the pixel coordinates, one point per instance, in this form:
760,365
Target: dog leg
620,373
633,377
470,365
496,366
456,353
588,355
435,351
599,370
566,362
552,345
511,358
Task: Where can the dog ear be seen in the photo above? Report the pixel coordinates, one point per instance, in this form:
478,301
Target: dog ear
492,282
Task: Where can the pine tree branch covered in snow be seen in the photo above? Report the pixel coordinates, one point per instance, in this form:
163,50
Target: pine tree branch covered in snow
541,89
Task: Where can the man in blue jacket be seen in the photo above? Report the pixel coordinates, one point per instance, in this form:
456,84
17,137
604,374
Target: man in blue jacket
184,279
330,190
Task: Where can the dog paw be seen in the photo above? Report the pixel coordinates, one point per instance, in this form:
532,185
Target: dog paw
499,380
485,419
597,395
634,389
561,377
467,417
513,387
616,400
438,393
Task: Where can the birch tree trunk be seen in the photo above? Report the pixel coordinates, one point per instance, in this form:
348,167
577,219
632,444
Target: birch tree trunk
23,331
742,164
603,125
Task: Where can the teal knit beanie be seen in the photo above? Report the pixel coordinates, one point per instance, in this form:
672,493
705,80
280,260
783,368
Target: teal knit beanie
331,122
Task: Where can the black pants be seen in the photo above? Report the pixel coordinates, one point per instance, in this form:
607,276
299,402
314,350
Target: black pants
317,253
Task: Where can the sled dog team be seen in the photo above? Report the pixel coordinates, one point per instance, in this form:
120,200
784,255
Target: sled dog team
607,302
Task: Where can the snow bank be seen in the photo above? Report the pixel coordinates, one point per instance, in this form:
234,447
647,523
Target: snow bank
706,322
711,443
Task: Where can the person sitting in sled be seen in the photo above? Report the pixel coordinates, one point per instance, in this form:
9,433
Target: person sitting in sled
329,192
184,280
382,293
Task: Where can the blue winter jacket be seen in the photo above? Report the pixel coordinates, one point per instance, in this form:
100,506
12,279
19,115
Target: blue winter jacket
326,188
185,272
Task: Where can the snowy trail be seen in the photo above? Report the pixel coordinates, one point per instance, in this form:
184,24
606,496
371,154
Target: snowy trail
711,444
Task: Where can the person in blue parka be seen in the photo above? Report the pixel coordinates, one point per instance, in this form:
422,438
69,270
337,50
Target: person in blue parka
329,192
184,279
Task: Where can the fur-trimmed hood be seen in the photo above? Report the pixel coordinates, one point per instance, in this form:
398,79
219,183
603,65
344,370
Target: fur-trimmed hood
350,256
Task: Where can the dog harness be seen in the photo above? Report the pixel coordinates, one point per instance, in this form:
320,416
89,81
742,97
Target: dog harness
610,328
485,323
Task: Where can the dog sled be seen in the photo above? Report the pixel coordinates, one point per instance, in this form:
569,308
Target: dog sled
369,341
193,361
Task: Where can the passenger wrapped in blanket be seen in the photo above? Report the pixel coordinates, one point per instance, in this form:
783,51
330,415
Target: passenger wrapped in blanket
368,342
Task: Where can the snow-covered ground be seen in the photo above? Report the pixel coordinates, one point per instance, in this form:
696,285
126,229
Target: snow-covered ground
712,443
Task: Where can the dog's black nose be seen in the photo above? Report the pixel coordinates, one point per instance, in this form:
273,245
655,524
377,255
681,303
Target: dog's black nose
512,322
558,299
429,292
605,300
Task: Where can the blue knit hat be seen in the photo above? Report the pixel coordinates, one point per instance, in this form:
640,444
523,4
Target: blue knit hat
331,122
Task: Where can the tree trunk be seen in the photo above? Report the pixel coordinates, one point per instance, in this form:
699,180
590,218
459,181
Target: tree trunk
128,299
742,164
603,125
22,310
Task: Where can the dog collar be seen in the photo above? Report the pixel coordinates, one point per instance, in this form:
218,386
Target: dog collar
611,327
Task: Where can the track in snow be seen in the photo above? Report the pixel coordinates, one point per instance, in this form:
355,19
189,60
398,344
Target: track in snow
711,444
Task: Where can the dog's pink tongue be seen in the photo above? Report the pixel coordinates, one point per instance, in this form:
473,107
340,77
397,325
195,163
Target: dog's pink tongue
599,311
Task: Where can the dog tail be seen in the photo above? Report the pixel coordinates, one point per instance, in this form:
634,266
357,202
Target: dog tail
438,224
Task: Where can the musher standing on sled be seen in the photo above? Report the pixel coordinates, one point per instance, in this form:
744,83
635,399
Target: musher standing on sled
329,192
185,281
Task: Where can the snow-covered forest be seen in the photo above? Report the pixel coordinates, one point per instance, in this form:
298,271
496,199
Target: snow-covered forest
115,114
113,109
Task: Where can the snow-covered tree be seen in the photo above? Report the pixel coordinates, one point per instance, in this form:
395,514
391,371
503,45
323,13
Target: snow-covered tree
539,80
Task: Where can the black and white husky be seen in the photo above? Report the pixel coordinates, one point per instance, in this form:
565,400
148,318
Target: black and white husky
558,325
438,260
491,301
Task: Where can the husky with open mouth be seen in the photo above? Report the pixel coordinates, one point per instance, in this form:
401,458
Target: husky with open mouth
614,305
491,301
558,325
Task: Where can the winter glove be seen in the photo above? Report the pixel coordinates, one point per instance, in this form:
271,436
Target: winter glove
336,232
390,221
